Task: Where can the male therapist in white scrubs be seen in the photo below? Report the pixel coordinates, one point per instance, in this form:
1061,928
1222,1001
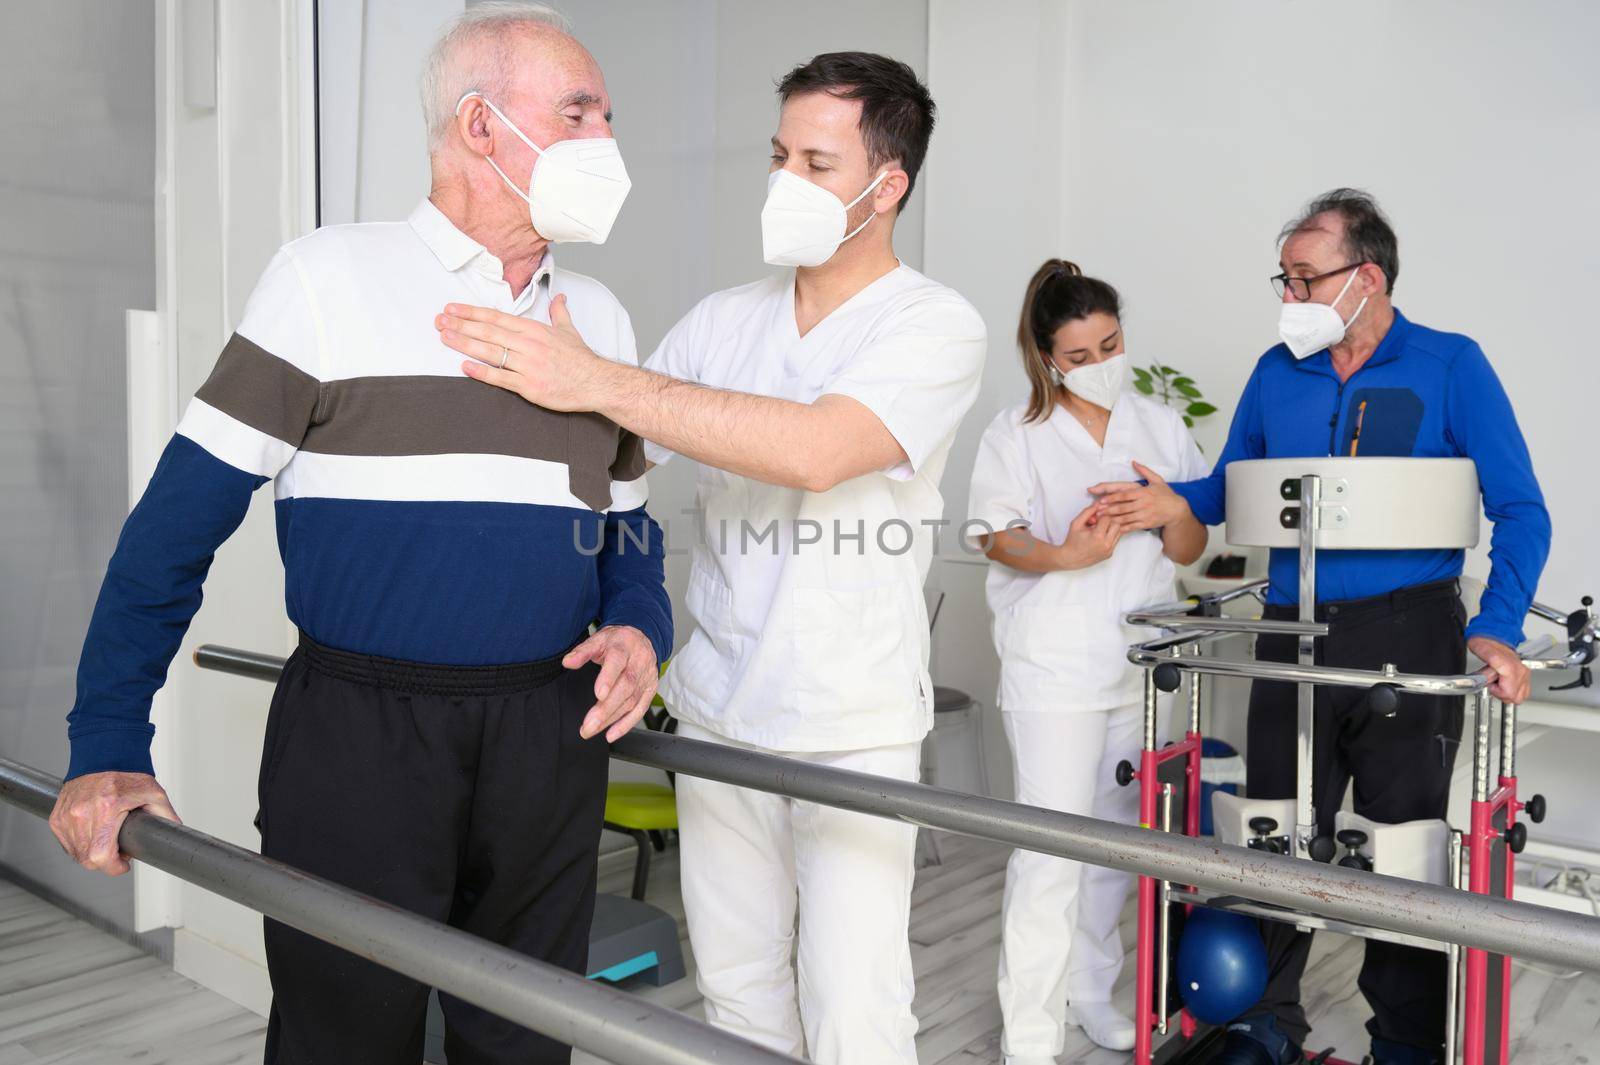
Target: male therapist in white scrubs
821,403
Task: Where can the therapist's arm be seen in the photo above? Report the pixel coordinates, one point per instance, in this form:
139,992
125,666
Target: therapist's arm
1158,506
812,446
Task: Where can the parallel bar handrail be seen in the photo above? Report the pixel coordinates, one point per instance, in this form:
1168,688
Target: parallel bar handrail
1439,913
535,994
1419,683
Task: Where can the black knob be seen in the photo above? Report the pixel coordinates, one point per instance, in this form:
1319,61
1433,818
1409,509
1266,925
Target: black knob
1271,846
1124,773
1263,826
1351,837
1535,809
1517,837
1323,849
1356,861
1168,677
1383,700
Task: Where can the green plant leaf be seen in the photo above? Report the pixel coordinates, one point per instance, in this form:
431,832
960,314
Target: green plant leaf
1185,380
1164,370
1187,388
1144,387
1199,410
1141,373
1188,421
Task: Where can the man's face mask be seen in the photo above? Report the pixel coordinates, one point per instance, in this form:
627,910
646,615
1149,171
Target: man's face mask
576,188
1308,328
803,224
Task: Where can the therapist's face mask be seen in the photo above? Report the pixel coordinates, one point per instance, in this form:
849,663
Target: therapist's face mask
576,188
1100,383
803,224
1307,328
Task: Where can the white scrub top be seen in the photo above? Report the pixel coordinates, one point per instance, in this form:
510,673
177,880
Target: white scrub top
810,632
1061,639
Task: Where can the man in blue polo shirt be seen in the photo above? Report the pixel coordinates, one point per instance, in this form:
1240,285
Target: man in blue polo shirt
1355,377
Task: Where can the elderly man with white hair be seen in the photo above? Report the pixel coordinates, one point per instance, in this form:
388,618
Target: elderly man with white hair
433,740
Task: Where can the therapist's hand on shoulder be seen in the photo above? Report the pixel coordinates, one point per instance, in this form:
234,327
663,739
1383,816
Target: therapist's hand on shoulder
1147,506
1509,677
625,684
549,365
1091,538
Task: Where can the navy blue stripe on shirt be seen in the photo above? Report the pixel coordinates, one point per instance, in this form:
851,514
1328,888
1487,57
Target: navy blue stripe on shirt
467,583
446,582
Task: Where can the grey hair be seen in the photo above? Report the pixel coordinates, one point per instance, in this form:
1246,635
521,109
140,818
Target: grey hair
446,77
1368,236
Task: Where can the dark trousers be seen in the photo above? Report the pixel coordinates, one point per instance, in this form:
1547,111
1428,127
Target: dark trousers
460,793
1400,766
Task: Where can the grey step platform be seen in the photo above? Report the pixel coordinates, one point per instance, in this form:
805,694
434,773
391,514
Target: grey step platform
628,940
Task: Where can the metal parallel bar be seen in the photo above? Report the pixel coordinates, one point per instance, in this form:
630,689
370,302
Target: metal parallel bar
1184,639
1548,613
1422,684
1164,916
1508,739
1151,711
1480,750
1452,989
1309,922
599,1019
1305,816
1195,696
1258,626
1181,607
1427,910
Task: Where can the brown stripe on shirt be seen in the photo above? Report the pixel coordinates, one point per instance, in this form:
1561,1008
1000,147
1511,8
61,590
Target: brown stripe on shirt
269,394
429,415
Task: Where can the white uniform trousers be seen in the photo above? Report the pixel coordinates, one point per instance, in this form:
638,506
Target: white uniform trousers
751,863
1060,940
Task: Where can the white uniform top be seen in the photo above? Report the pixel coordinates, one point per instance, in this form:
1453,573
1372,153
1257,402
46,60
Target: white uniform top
810,629
1060,636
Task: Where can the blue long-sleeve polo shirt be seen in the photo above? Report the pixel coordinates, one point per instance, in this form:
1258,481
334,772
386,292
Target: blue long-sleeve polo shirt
1426,394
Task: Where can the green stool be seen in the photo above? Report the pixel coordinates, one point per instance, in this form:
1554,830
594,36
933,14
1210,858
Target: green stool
647,812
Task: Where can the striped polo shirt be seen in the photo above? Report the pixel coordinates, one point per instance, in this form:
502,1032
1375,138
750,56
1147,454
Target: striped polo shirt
421,515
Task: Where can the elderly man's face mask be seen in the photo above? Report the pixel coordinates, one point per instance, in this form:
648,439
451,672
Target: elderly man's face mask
1307,328
576,188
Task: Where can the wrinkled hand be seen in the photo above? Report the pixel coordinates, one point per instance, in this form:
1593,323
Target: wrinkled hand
1091,538
545,364
90,810
626,683
1152,506
1510,679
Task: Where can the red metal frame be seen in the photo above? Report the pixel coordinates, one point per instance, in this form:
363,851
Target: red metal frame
1145,1020
1479,844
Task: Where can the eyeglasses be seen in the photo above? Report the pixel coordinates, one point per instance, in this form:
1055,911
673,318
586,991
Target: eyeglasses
1301,286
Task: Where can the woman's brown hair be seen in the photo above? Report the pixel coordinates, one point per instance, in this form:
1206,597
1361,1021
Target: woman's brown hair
1057,294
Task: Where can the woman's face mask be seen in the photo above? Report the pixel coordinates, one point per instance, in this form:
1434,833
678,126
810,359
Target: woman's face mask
1100,383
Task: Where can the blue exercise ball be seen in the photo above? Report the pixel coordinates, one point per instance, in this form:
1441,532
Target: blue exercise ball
1222,965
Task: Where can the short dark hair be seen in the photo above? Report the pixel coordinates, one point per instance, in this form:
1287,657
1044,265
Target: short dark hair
1368,236
897,112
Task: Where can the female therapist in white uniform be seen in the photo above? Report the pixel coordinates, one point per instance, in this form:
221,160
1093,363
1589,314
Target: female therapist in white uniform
1061,583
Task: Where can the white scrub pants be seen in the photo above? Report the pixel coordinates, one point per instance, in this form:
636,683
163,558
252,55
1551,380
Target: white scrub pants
1060,940
752,862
